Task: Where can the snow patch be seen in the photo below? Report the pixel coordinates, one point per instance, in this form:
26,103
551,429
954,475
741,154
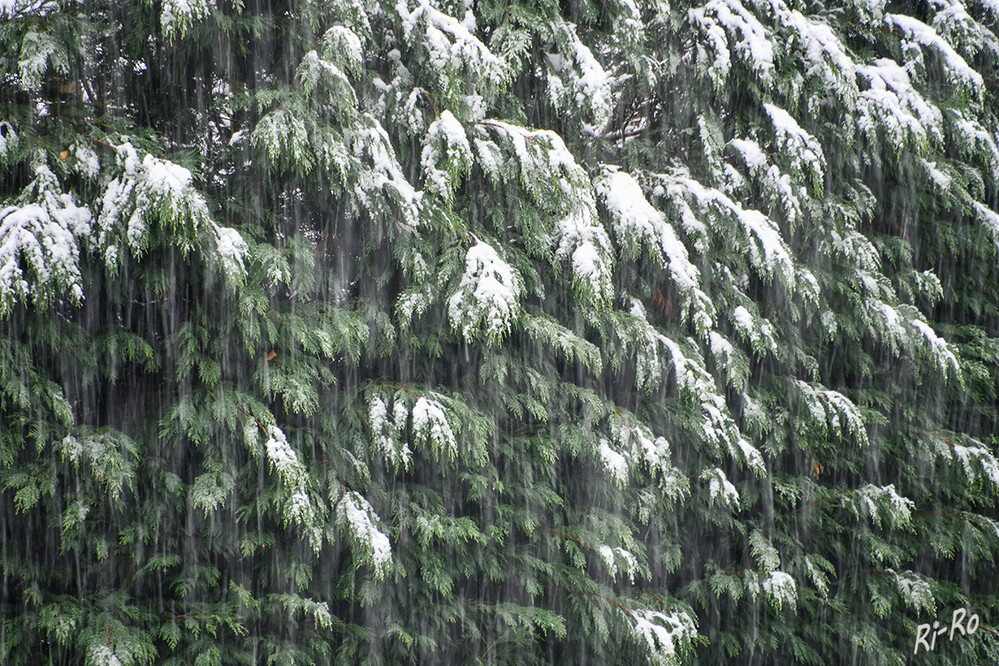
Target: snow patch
781,589
178,15
720,488
753,41
446,154
615,463
40,237
924,35
430,425
635,219
386,431
663,633
356,515
894,103
486,300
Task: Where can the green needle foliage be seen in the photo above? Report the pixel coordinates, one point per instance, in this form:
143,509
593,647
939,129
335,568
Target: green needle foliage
451,332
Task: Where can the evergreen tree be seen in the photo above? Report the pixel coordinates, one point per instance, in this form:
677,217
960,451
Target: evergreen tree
432,331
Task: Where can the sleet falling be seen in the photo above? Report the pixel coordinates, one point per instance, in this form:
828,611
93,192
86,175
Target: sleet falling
456,332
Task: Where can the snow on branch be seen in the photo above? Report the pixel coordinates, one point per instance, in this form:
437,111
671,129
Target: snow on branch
636,221
446,155
381,183
824,55
486,302
722,20
177,16
453,51
720,489
883,504
759,233
781,589
386,431
774,183
300,504
800,147
893,104
585,243
973,456
355,515
832,412
914,589
904,325
957,68
664,634
432,429
155,190
16,9
653,351
548,171
589,86
41,234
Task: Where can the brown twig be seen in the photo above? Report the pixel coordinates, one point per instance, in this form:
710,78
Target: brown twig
430,99
400,386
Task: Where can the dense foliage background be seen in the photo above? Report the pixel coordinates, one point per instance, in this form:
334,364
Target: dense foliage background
441,331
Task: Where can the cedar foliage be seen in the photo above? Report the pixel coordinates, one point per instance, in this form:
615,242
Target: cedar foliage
443,332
